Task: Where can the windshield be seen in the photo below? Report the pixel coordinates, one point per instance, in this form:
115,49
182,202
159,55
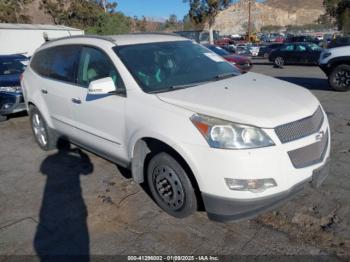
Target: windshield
166,66
8,67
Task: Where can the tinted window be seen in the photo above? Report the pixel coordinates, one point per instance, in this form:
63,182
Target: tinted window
41,62
94,65
64,63
160,67
58,62
288,48
300,48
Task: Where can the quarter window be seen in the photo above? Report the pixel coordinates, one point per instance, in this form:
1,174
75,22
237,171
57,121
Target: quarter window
94,65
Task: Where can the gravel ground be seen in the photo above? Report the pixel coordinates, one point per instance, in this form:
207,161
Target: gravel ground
73,202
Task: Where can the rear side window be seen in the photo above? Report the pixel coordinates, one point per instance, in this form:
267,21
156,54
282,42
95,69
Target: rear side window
58,63
64,63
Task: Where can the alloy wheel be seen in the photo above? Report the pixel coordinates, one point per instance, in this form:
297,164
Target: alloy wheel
342,79
39,129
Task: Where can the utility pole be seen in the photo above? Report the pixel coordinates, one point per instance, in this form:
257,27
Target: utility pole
249,19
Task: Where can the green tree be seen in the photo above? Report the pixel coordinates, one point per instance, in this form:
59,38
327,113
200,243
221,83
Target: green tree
205,11
110,24
340,11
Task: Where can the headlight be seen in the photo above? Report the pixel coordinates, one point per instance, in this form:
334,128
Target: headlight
252,185
10,89
326,54
227,135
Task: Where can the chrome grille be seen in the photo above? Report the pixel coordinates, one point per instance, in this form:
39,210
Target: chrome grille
311,154
301,128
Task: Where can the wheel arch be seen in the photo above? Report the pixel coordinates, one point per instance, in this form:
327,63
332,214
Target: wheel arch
146,147
334,62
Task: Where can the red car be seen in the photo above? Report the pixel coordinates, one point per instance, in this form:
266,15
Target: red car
243,63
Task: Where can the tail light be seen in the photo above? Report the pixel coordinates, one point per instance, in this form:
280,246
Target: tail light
21,77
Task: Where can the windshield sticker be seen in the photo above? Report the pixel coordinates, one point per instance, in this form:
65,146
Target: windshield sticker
214,57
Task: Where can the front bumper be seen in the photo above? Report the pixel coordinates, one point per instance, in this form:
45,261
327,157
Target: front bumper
223,209
11,103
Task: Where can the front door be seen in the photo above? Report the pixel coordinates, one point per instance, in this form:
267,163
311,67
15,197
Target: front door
99,119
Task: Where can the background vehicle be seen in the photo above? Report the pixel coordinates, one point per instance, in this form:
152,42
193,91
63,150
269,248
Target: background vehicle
302,38
335,62
296,53
265,52
11,98
242,62
340,41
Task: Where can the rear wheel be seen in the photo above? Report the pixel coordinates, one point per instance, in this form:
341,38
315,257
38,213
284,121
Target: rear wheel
44,136
279,61
339,79
170,186
3,118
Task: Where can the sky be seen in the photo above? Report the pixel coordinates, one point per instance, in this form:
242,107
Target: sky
158,9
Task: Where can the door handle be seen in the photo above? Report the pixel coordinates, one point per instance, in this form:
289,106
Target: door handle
76,100
44,91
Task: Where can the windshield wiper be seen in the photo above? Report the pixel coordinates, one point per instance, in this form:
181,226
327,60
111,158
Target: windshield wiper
224,76
172,88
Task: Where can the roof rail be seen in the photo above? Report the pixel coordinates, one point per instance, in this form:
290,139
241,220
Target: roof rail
106,38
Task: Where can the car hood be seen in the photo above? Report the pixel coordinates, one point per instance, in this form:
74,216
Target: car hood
251,99
9,80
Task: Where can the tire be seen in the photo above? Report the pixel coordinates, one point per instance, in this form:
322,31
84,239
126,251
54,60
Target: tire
44,136
3,118
279,61
339,79
170,186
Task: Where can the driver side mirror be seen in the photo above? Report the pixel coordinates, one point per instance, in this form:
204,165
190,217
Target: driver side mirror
102,86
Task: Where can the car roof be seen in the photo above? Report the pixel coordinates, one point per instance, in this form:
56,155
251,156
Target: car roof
126,39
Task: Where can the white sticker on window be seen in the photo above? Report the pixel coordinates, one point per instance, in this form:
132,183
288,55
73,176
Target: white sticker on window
214,57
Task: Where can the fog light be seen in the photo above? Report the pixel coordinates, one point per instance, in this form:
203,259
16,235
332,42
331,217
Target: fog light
252,185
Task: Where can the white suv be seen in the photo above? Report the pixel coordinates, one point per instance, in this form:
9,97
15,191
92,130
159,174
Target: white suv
185,121
335,62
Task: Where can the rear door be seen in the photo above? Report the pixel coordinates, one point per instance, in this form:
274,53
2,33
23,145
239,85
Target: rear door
57,66
302,54
287,52
99,119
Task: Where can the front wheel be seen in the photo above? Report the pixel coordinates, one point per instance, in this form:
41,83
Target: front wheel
44,136
279,61
170,186
339,79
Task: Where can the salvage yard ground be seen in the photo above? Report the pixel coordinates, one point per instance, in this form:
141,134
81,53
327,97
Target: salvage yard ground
70,201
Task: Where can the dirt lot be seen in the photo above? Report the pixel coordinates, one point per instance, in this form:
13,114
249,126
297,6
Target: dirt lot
71,202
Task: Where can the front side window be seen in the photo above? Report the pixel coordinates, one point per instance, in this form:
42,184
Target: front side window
301,48
94,65
166,66
288,48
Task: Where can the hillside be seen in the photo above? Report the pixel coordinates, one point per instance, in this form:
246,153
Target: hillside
271,12
293,5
